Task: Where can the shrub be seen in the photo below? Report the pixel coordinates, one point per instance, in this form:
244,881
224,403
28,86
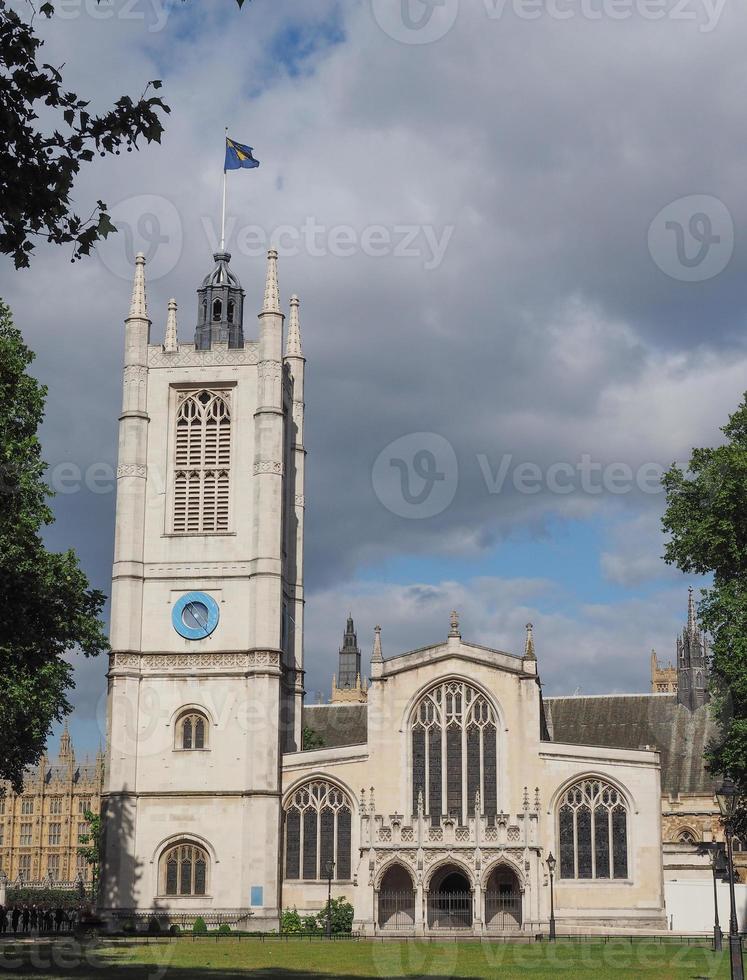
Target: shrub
154,926
175,929
224,929
310,924
199,927
290,921
341,913
128,927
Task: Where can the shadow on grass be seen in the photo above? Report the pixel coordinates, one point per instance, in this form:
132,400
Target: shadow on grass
61,961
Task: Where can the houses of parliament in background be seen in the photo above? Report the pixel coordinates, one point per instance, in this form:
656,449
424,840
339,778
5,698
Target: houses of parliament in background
41,828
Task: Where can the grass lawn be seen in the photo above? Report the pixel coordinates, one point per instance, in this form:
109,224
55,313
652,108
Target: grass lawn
228,958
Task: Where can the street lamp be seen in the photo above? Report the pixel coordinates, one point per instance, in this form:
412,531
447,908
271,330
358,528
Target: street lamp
729,801
551,862
719,865
330,870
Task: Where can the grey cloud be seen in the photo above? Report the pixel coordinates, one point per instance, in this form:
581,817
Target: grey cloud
548,331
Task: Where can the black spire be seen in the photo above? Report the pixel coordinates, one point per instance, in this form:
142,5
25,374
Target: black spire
220,307
692,666
350,658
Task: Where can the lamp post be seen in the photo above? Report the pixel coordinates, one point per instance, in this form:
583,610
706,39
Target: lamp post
330,869
551,862
719,865
729,801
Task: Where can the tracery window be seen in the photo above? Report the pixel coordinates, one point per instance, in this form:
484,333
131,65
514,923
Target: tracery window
184,870
593,831
202,461
192,731
318,830
454,752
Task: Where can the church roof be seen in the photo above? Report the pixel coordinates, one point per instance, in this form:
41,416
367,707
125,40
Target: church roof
632,721
338,724
625,721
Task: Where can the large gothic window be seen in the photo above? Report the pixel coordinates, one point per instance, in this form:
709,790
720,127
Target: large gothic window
202,461
593,831
454,752
184,870
317,830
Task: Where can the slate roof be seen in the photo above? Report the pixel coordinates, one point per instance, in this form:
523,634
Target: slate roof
632,721
626,721
338,724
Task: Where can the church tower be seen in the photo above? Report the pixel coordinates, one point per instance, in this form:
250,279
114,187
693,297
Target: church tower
206,671
692,667
347,685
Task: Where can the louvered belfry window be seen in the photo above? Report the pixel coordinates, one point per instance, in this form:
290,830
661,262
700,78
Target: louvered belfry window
202,463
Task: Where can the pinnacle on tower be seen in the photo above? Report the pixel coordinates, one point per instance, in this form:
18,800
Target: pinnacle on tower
171,341
454,624
65,743
529,653
377,656
293,345
139,304
692,619
272,290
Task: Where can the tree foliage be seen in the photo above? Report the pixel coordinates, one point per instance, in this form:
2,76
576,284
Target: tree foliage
706,519
91,846
48,134
49,607
311,739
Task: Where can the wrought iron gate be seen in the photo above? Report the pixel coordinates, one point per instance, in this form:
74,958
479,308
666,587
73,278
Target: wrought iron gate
450,910
503,910
396,910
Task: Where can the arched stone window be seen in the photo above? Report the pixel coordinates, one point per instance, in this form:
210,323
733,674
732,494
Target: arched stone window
593,831
454,752
317,830
202,460
192,731
687,837
184,870
217,310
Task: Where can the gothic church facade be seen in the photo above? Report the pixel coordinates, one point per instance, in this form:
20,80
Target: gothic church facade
444,814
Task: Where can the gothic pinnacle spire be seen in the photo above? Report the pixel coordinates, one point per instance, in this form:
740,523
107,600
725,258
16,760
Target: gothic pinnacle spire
171,340
692,619
529,653
272,290
139,304
377,657
293,345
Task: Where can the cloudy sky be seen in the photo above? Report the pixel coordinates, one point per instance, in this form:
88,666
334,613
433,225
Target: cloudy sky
515,230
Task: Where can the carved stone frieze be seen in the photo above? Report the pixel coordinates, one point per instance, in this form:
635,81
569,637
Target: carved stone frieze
191,357
194,661
132,469
273,466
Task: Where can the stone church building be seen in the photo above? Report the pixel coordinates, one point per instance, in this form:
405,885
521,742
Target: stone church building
439,791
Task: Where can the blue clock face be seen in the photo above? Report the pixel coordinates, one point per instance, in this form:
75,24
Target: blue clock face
195,616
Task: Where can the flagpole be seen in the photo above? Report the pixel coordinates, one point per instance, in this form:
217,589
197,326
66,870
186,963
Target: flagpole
223,216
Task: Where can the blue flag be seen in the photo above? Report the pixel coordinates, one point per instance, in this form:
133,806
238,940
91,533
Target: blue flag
238,156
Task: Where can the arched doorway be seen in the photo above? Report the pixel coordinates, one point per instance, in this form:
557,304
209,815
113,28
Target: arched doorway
503,900
397,900
450,899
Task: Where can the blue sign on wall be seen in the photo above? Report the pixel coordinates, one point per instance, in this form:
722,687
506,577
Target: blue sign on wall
257,898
